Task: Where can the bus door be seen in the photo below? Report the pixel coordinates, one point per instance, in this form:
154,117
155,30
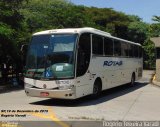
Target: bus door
83,61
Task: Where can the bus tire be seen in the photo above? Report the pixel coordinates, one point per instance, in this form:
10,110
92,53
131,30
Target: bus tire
132,83
97,88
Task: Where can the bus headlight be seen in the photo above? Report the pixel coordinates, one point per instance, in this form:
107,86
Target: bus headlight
66,84
28,85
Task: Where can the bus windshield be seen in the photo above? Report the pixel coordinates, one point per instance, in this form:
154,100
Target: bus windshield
51,56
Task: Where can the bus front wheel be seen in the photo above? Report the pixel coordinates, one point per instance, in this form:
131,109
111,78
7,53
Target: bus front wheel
97,88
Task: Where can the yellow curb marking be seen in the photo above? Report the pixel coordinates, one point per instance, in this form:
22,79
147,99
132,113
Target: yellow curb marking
50,115
154,77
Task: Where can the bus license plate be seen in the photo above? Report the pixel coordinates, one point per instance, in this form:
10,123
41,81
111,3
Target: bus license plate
44,94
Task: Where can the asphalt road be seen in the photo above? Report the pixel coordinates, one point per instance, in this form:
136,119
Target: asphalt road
124,103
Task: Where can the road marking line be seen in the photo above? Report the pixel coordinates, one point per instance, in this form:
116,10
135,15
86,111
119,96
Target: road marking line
54,118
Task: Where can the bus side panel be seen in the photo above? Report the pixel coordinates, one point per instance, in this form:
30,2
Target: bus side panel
115,71
99,69
84,85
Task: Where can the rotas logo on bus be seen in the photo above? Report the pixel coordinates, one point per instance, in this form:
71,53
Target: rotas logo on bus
112,63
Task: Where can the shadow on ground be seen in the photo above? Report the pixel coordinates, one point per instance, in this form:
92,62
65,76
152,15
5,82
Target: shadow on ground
11,88
86,101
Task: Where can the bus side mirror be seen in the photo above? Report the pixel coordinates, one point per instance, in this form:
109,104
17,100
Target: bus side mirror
24,49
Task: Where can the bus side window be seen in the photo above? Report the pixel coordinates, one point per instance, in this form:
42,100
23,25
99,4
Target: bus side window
124,49
97,45
158,53
136,51
108,47
117,48
130,50
84,52
140,52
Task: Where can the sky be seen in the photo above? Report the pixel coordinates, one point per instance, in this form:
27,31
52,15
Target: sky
145,9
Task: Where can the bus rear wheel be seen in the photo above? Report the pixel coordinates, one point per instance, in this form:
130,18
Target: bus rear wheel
97,88
132,83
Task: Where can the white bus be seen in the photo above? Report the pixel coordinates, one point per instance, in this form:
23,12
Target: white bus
72,63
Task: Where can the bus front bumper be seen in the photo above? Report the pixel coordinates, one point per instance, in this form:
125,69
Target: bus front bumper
46,93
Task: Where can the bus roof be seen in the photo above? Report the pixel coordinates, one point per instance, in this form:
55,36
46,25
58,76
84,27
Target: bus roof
82,30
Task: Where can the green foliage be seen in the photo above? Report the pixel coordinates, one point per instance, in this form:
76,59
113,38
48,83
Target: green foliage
149,56
155,29
156,18
5,30
10,29
48,14
138,32
108,20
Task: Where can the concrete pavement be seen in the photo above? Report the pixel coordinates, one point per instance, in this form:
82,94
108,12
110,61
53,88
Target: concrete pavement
124,103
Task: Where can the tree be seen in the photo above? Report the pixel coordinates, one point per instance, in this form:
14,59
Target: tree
155,27
149,54
138,32
109,20
11,27
49,14
156,18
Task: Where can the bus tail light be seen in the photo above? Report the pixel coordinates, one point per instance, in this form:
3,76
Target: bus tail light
44,94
